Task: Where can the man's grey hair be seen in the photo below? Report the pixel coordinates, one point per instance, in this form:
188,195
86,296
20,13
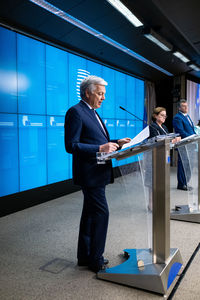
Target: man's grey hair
89,83
181,101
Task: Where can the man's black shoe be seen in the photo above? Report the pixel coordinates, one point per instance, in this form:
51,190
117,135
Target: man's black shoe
182,187
84,263
97,268
106,261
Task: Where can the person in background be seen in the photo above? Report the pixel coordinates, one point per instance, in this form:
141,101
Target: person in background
156,128
85,135
183,125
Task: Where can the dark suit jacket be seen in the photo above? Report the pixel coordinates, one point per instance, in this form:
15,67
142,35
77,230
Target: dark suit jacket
155,130
83,136
182,125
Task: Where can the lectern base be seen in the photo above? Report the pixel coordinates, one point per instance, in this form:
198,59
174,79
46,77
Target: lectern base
148,276
183,213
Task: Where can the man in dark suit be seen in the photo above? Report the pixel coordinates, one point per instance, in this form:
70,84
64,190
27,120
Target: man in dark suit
183,125
85,135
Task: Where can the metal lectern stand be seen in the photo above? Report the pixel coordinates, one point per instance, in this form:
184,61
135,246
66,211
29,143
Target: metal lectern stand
163,263
190,156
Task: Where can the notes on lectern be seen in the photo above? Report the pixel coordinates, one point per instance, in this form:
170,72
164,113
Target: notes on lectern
144,134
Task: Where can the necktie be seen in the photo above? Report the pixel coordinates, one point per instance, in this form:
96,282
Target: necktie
99,120
187,116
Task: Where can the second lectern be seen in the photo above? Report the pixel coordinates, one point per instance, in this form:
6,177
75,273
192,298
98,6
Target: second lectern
156,267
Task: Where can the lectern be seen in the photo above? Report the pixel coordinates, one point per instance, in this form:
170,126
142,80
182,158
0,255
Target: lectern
154,268
188,149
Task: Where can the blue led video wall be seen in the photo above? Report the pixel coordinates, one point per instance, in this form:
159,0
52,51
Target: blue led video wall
38,83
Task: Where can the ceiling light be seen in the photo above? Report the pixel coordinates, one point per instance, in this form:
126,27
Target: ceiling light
194,67
68,18
181,56
125,12
157,39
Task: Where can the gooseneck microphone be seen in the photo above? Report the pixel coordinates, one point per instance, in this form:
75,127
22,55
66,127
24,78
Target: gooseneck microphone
133,115
139,119
172,135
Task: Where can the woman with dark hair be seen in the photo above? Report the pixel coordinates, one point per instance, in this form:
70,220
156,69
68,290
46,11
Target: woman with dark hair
157,127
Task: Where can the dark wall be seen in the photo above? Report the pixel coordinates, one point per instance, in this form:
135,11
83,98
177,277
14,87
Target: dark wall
164,97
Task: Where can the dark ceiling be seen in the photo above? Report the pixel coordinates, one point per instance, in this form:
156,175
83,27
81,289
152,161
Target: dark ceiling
176,21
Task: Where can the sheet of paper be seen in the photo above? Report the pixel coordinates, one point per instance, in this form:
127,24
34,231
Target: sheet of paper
144,134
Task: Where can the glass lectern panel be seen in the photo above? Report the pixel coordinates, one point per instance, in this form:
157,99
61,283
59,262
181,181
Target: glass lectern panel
133,201
189,158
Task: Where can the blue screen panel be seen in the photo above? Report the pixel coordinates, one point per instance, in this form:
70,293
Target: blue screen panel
58,159
120,94
138,127
9,172
110,125
131,133
8,75
32,151
121,129
56,81
131,128
139,98
77,71
31,76
131,100
37,80
70,164
108,106
95,69
121,133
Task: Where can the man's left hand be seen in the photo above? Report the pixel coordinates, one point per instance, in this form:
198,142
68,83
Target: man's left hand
123,141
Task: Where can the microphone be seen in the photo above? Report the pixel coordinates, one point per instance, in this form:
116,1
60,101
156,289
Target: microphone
139,118
133,115
172,135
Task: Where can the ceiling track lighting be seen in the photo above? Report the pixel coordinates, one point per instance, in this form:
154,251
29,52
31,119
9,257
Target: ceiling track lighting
157,39
68,18
126,12
193,66
181,56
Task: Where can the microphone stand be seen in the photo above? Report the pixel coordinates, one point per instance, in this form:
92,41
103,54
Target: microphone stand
155,138
133,115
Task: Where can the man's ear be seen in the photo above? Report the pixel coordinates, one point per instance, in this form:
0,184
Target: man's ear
87,93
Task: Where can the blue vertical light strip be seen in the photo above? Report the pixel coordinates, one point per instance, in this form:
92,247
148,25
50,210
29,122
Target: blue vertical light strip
198,101
68,18
19,178
45,97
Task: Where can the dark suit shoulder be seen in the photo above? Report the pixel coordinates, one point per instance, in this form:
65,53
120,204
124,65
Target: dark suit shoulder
165,128
153,130
75,107
178,116
75,110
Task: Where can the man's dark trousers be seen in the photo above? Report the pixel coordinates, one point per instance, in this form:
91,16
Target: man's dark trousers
93,226
183,173
180,173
